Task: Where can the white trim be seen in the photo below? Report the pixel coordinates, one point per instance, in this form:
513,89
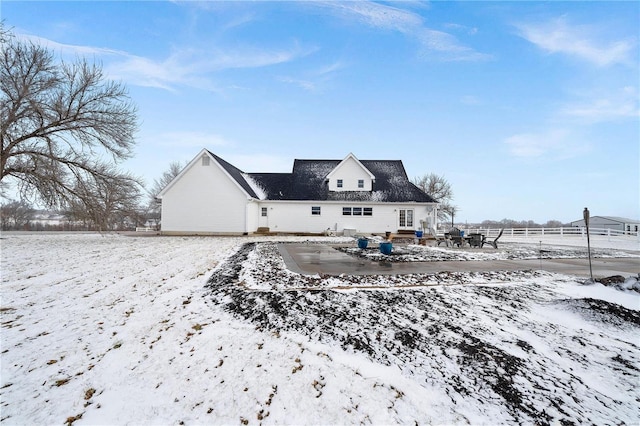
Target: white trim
371,175
196,160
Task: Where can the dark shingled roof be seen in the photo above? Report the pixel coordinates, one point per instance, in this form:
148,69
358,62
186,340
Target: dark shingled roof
236,174
307,182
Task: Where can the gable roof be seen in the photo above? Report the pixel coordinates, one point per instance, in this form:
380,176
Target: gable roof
358,162
307,182
234,173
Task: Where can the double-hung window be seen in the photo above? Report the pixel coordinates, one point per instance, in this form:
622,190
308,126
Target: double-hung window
360,183
339,183
315,210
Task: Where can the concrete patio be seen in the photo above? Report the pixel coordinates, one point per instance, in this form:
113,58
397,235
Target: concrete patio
313,259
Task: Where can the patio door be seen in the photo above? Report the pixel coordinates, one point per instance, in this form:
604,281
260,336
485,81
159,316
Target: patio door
405,219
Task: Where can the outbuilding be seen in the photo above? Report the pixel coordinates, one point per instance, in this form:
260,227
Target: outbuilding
612,223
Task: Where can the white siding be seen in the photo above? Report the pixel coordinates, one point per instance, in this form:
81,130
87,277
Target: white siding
296,216
350,171
254,216
204,200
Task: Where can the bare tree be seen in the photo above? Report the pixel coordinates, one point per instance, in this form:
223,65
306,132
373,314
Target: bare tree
440,190
154,203
107,203
63,126
15,214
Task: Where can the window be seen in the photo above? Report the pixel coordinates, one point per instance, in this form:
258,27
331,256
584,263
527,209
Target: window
264,212
357,211
315,210
360,183
205,160
339,183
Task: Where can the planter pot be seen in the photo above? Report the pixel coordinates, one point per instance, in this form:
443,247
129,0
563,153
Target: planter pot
419,234
362,243
386,247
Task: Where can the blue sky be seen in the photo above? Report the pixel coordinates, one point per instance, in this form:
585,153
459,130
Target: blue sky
529,109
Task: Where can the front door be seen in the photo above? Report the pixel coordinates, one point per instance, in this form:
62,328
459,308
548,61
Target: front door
405,219
264,218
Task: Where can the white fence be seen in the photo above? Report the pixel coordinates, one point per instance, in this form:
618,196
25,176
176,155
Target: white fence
558,232
570,236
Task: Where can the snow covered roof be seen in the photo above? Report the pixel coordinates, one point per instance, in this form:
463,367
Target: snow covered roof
308,182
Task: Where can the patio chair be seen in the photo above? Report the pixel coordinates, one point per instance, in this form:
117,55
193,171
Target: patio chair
439,240
476,240
494,242
456,237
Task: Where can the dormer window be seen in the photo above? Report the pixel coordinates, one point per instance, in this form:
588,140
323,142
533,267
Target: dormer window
350,175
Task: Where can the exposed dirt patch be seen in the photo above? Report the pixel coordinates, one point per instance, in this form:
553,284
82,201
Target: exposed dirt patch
470,337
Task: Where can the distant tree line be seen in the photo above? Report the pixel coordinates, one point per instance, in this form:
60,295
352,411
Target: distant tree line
511,223
21,216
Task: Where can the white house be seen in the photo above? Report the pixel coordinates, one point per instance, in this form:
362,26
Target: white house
610,222
213,197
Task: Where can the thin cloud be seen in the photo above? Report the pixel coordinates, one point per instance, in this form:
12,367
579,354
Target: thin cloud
558,36
608,106
188,67
192,67
462,28
435,44
69,49
446,47
307,85
315,79
377,15
555,144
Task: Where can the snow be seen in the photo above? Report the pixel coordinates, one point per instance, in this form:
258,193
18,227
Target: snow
255,186
179,330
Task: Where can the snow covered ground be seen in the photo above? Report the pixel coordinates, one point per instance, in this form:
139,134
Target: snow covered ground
176,330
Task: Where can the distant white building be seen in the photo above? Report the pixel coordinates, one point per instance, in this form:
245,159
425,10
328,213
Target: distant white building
47,218
211,196
610,222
